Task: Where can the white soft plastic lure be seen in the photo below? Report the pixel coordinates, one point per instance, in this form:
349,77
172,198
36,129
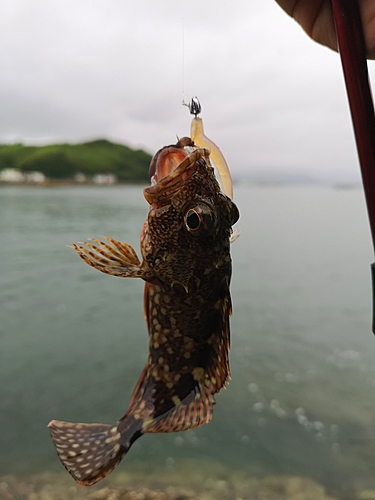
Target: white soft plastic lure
198,137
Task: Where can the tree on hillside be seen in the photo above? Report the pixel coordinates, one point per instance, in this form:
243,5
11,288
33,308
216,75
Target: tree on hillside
55,165
62,161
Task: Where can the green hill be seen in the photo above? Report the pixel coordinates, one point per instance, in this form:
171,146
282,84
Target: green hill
63,161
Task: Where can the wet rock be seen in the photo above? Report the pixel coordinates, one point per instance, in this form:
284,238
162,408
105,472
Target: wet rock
367,495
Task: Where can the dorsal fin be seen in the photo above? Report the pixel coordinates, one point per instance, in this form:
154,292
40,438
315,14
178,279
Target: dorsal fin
218,367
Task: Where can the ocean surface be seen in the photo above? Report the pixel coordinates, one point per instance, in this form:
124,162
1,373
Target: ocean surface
73,341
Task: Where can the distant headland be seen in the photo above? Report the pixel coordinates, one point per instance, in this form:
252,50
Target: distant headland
96,162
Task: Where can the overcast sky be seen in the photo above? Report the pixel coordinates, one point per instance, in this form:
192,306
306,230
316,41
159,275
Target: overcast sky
84,69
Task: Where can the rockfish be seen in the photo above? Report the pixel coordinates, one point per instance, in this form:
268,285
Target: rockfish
186,265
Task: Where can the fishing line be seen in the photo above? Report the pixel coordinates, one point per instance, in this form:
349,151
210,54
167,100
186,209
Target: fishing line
197,132
183,58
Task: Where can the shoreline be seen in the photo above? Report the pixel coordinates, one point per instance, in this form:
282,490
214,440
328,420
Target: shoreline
67,183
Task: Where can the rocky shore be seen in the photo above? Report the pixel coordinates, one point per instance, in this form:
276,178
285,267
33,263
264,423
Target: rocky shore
205,481
55,487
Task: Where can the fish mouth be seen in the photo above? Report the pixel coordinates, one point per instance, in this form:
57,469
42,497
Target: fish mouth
172,166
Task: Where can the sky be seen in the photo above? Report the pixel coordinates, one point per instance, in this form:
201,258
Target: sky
272,99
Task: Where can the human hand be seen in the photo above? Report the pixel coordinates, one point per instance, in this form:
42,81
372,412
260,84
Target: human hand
316,18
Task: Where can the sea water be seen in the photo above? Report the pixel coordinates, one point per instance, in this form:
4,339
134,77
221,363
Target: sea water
73,341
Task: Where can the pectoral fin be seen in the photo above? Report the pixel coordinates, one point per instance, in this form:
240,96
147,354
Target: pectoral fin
114,258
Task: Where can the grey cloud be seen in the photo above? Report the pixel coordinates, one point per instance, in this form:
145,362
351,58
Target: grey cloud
270,96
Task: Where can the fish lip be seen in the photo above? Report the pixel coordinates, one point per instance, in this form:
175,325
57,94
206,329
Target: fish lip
167,185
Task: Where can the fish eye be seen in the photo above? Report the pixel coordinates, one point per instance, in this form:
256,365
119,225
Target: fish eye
199,219
192,220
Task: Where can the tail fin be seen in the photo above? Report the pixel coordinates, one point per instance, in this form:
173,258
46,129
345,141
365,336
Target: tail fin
89,452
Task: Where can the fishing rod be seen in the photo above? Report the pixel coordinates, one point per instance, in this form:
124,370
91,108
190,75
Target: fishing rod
352,49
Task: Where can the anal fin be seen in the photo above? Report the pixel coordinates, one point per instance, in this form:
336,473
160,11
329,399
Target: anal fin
193,411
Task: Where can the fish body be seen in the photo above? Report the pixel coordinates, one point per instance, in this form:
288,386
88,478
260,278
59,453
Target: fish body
186,265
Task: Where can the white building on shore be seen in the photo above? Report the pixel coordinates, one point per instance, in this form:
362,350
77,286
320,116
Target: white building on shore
11,175
15,176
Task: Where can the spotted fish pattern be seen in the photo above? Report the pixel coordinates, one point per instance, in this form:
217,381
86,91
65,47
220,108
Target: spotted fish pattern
186,265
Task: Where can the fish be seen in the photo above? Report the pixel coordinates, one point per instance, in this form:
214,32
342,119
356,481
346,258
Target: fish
186,266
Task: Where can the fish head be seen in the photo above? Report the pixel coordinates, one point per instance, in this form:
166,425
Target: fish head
189,222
